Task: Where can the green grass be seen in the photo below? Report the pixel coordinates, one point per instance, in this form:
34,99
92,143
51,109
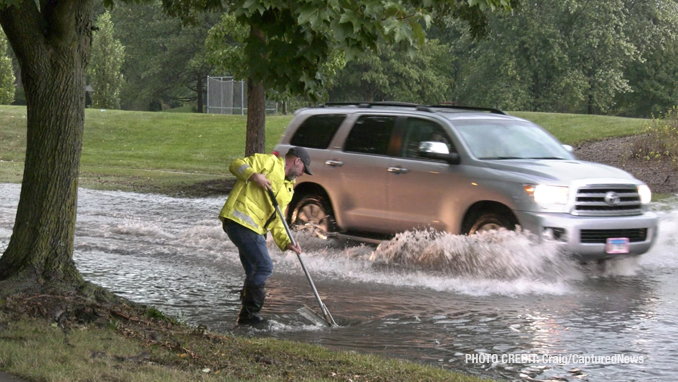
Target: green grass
143,151
36,349
573,129
181,109
190,142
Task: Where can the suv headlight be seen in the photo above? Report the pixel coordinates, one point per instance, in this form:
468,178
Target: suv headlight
645,194
543,194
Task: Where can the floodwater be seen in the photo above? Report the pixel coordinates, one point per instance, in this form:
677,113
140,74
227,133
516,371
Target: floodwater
497,306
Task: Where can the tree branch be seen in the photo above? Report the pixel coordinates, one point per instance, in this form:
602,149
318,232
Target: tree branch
573,18
59,16
23,23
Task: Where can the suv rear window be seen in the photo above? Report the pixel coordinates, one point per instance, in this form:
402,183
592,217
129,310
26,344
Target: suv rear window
317,131
371,134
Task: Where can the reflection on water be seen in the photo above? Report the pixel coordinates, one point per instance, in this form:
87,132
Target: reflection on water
428,297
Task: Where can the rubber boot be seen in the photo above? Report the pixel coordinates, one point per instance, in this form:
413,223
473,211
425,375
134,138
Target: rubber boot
252,301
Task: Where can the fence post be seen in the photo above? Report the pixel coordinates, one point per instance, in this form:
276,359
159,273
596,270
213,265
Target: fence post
208,95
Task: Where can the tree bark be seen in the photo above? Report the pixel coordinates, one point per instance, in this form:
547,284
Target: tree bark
255,141
255,138
52,45
200,89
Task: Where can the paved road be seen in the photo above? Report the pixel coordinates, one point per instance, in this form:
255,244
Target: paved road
4,377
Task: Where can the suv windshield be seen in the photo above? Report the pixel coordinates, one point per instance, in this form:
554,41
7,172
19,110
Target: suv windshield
509,140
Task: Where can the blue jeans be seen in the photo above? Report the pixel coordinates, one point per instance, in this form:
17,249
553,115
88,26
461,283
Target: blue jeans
254,255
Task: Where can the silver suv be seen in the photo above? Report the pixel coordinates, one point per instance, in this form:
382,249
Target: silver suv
384,168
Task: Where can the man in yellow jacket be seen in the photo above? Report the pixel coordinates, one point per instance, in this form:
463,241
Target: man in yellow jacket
249,214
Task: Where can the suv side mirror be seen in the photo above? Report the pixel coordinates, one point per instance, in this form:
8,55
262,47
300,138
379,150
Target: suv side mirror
569,148
439,151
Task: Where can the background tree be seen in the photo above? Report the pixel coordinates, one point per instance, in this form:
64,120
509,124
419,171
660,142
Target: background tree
424,77
7,88
602,48
653,82
307,33
567,56
225,47
653,78
166,64
108,55
522,65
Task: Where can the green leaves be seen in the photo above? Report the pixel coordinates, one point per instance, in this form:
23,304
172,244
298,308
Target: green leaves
317,18
6,73
570,56
424,77
7,3
252,6
165,60
107,57
293,40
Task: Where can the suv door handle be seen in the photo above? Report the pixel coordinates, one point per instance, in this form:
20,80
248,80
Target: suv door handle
398,170
334,163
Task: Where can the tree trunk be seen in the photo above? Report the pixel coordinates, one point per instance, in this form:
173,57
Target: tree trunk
590,108
255,141
590,105
52,44
200,90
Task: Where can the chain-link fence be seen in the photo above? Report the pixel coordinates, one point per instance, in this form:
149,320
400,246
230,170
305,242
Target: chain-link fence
228,96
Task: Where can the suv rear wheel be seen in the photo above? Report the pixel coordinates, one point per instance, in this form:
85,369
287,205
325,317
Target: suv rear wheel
313,213
488,221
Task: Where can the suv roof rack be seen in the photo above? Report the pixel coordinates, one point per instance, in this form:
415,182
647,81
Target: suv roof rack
414,105
475,108
370,104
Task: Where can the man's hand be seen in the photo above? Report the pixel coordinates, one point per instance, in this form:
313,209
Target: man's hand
294,248
260,180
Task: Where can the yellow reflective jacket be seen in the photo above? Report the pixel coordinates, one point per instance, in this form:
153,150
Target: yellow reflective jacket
249,205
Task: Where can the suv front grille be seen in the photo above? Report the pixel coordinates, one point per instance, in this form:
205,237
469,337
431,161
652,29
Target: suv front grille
594,236
607,200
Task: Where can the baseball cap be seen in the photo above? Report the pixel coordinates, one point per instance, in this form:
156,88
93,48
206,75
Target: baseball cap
302,154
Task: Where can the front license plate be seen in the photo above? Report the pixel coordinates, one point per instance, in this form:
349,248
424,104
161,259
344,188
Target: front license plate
617,245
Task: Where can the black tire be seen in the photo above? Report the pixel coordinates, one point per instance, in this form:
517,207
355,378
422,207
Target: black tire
489,221
313,213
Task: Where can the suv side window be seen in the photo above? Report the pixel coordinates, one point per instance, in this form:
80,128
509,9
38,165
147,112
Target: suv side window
371,134
316,131
419,130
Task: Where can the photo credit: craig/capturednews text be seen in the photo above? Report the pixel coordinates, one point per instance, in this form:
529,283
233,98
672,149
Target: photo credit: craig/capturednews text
563,359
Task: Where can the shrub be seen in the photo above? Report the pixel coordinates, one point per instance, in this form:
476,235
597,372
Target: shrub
660,141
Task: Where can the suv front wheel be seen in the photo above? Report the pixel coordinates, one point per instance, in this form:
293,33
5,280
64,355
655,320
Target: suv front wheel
313,213
488,221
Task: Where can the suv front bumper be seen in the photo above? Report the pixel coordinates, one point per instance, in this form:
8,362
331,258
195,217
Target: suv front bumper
571,241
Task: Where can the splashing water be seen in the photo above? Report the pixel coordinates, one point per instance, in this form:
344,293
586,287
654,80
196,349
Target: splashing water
492,255
498,262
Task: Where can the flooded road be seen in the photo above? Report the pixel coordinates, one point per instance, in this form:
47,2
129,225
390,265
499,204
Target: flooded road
497,306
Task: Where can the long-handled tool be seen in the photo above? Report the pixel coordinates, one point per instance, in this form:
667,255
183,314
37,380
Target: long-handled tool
305,311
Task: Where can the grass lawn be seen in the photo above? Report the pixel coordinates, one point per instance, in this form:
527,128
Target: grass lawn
145,346
159,152
577,128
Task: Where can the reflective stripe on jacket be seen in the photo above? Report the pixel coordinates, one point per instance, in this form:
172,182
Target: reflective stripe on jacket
249,205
